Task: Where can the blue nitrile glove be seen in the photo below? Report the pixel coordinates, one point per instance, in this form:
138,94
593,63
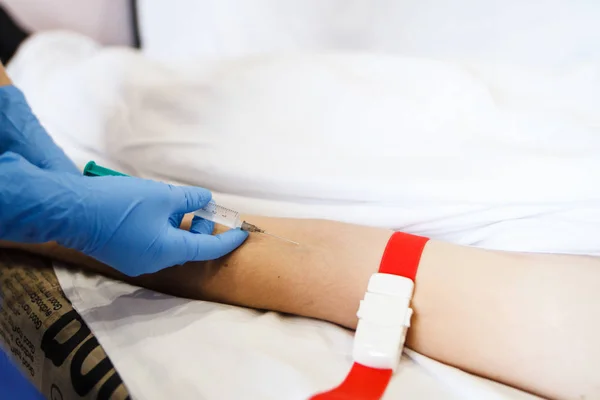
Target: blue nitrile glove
128,223
21,133
13,383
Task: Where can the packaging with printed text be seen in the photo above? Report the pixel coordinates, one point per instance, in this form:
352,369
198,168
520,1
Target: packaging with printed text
46,338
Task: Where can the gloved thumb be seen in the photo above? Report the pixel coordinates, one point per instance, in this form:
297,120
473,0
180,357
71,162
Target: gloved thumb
187,246
189,198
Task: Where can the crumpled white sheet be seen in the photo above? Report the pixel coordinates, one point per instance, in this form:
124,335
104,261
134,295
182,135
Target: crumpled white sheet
486,155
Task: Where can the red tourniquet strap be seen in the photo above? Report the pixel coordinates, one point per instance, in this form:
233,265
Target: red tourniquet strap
401,257
362,383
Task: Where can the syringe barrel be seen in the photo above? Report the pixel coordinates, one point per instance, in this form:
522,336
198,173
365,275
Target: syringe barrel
220,215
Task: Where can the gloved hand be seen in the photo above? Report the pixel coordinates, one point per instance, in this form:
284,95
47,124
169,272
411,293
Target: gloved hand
128,223
21,133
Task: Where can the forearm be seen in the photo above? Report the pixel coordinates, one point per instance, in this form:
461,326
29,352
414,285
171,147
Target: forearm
266,273
519,319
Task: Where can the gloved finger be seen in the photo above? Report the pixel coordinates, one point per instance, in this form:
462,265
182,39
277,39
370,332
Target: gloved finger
56,160
187,246
175,220
189,198
202,226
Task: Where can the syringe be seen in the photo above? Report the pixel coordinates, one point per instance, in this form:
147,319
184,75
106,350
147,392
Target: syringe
231,218
212,211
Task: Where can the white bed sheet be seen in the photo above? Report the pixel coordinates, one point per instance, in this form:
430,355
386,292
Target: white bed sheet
167,347
200,350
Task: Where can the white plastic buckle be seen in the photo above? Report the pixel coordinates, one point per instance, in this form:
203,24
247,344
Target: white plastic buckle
384,318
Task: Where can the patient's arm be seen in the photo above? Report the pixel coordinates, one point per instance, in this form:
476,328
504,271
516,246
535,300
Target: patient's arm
526,320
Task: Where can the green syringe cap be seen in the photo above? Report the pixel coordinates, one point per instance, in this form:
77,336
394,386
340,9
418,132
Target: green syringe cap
93,169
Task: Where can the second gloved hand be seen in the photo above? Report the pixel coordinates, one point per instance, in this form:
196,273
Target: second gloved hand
22,133
128,223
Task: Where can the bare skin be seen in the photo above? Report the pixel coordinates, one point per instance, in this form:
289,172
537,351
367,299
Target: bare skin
526,320
4,79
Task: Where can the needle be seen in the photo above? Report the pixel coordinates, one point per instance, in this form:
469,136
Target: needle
280,238
253,228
